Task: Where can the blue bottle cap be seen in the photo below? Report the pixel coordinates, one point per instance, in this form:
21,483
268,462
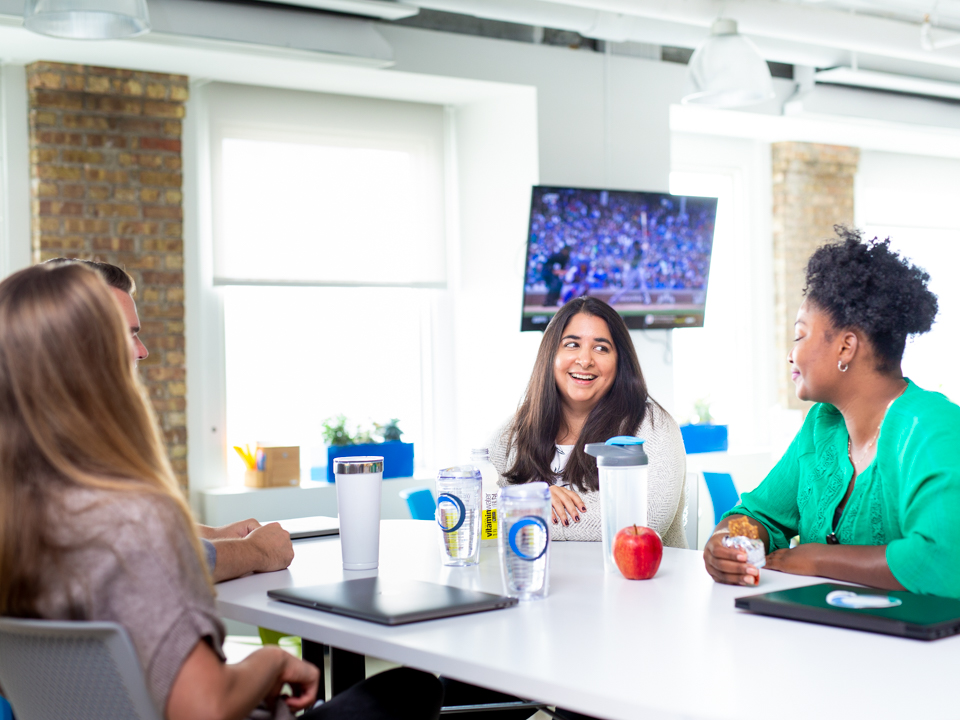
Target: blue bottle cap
625,440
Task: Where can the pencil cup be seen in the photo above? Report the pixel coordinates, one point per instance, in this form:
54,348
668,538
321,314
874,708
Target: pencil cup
359,480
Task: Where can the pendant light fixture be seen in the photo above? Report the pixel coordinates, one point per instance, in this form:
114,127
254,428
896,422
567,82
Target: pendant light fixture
87,19
727,70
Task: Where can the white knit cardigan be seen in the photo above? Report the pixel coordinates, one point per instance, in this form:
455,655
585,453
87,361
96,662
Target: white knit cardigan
666,494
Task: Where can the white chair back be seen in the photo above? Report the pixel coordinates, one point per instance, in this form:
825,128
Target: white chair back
58,670
691,514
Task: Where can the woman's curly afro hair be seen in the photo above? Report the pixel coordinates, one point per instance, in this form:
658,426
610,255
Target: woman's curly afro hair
863,284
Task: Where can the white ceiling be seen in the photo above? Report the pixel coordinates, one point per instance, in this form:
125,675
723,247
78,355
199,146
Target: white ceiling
880,35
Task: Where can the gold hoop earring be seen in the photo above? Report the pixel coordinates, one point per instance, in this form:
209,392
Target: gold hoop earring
841,367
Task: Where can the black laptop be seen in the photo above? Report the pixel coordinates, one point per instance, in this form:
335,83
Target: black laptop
391,601
892,612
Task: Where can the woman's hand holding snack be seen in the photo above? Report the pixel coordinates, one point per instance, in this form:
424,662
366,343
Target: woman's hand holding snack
729,564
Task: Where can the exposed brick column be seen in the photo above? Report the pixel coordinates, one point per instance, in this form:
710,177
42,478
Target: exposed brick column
812,192
105,168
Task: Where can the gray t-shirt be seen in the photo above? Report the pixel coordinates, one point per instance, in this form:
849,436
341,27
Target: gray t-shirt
129,561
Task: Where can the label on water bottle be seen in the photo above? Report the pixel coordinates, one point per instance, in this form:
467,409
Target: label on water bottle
488,530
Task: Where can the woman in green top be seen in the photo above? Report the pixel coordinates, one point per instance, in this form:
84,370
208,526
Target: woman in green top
871,483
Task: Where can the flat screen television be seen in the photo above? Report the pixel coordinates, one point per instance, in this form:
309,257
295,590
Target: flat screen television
647,254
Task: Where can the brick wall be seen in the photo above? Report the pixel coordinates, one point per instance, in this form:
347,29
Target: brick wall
812,192
105,171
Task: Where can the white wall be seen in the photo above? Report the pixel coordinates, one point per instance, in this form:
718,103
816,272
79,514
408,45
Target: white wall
570,102
492,358
912,200
15,166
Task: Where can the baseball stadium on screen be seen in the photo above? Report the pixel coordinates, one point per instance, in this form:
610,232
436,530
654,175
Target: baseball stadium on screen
647,254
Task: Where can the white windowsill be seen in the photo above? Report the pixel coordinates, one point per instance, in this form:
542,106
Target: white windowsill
224,505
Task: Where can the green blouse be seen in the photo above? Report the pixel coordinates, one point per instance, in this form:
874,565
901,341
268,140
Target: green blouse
908,498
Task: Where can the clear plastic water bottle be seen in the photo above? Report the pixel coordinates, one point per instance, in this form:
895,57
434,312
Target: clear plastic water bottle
480,458
458,514
524,541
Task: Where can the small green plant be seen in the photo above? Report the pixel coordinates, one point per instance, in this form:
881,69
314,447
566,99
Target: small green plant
701,412
335,431
389,431
365,434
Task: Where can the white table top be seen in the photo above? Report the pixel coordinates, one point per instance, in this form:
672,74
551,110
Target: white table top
617,648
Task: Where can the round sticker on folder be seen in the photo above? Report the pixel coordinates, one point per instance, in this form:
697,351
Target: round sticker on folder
854,601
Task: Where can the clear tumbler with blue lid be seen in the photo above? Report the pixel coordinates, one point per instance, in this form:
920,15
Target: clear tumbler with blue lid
458,514
524,539
622,469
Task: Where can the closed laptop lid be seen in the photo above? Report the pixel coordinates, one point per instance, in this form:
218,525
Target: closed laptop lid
308,527
391,601
893,612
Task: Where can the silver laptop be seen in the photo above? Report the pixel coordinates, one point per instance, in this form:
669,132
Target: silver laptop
391,601
311,527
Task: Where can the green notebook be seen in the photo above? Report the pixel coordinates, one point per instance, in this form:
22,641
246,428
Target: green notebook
892,612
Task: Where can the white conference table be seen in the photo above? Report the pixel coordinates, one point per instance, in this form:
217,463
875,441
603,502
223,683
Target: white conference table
670,647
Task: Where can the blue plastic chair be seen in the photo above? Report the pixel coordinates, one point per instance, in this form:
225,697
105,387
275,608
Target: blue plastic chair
420,502
723,493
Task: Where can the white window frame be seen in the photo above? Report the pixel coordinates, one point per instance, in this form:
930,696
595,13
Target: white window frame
206,408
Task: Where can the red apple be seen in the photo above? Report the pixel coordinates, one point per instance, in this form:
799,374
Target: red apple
637,551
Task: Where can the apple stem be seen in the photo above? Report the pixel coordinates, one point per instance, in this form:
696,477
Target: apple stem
635,531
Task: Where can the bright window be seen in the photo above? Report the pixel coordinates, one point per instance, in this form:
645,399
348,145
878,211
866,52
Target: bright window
331,214
329,249
299,355
929,359
699,371
920,219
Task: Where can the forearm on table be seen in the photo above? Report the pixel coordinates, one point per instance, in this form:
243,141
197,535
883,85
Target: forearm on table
235,557
863,564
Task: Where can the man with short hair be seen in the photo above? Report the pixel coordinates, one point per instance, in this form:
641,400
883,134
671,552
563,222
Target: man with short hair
232,550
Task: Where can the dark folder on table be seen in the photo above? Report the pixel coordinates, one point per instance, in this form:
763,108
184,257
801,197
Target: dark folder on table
892,612
391,601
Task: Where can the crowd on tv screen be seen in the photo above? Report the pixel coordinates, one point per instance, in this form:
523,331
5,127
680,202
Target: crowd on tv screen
619,241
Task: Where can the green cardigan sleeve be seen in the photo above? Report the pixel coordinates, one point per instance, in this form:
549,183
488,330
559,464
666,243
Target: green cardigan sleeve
926,559
774,502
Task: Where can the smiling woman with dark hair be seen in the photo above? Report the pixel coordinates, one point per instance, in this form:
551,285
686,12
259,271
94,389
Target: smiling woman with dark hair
587,387
871,483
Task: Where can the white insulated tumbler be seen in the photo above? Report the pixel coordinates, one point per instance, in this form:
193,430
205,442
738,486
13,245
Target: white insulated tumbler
359,480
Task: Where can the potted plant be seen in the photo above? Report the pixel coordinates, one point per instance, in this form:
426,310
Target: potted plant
381,439
700,435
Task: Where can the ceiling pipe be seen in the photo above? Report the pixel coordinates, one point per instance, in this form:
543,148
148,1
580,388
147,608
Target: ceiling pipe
928,43
786,32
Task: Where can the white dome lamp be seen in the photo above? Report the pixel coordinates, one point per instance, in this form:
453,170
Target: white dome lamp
87,19
727,70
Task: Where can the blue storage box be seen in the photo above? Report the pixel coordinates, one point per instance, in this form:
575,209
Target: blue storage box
397,457
704,438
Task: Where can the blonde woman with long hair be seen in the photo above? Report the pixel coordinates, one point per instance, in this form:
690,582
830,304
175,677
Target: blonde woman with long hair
93,526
